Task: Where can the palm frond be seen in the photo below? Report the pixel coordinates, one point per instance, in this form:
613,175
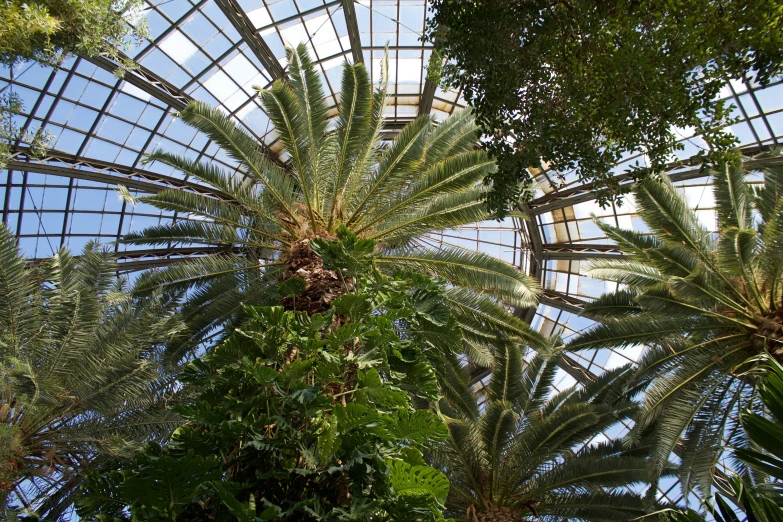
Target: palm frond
474,270
506,383
353,125
770,257
450,176
447,212
635,330
617,304
666,212
400,159
767,196
484,316
20,296
306,85
369,151
196,271
456,134
732,196
497,424
626,271
80,366
537,380
196,232
600,506
240,146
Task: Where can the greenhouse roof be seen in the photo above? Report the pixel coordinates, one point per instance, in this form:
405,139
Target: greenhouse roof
217,51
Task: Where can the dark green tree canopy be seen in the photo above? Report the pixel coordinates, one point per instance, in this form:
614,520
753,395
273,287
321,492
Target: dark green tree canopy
576,83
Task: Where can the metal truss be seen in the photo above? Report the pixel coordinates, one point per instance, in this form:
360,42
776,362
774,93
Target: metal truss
562,301
70,166
353,31
149,82
136,260
577,251
236,15
586,192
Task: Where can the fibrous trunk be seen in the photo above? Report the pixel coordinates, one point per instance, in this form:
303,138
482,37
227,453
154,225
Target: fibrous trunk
322,286
769,335
494,514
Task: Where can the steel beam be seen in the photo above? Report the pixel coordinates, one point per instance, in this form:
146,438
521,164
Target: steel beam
353,31
162,90
69,166
134,260
536,244
147,81
564,302
238,18
427,95
587,191
577,251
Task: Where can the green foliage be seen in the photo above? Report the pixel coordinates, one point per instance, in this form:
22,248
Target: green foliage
428,178
526,453
578,84
435,67
757,492
47,31
305,417
79,372
703,304
38,141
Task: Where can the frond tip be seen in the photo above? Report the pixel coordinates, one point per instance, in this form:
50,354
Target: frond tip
125,195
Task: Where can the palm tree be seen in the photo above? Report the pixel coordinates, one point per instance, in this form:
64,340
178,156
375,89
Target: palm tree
524,454
428,178
701,303
79,377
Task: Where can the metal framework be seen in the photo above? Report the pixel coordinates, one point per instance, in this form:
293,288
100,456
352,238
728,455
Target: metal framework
148,82
353,31
70,166
216,51
244,27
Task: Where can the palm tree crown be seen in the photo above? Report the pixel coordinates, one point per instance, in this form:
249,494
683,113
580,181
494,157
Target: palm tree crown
523,454
702,304
80,380
428,178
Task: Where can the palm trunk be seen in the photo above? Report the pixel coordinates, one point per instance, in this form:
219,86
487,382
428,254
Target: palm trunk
322,286
494,514
769,335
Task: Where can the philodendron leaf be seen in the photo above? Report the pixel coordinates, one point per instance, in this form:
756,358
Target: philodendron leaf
327,440
418,427
352,306
239,509
418,480
291,287
372,389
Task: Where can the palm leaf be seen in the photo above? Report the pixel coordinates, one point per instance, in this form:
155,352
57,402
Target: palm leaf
473,270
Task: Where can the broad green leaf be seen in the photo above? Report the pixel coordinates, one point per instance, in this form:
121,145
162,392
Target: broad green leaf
352,306
418,480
